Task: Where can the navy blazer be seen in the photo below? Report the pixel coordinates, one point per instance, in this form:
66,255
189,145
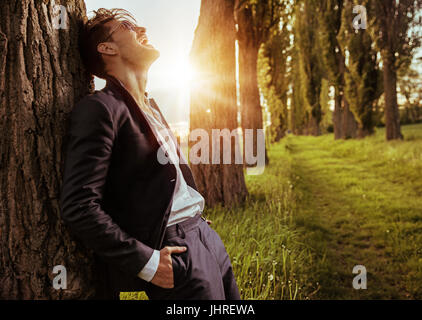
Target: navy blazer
116,197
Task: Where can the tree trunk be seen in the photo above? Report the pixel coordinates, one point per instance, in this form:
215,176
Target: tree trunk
338,115
292,114
345,124
366,127
314,128
250,103
280,130
349,122
392,116
41,77
213,100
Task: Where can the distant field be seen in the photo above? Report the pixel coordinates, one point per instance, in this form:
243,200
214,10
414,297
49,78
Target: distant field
324,206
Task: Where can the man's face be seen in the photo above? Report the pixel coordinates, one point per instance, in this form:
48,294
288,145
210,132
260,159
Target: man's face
131,44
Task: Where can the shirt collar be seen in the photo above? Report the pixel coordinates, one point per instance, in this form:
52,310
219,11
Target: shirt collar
113,82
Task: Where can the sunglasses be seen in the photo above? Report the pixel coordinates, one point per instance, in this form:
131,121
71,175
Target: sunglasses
127,25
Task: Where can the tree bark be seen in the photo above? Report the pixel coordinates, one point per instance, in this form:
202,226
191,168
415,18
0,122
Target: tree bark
349,122
338,115
214,102
345,124
314,128
41,77
250,103
392,116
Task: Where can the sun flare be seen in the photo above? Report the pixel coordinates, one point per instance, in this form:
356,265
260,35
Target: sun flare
183,75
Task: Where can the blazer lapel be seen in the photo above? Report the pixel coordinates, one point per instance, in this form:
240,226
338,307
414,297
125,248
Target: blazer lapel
116,85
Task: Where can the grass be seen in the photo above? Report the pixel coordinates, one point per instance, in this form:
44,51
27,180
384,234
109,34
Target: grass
268,257
361,204
320,208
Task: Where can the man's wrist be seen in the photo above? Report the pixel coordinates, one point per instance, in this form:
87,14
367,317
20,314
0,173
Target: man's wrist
148,271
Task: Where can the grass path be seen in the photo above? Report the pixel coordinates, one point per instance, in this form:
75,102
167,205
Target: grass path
359,209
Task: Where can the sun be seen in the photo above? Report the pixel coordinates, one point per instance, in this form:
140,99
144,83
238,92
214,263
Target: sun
184,75
180,78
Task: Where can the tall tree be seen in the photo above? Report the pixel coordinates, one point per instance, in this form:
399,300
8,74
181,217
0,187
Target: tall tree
363,77
274,78
330,18
393,24
306,35
41,77
214,102
298,112
255,22
327,114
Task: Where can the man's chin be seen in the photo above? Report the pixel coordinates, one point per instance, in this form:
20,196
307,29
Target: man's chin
147,58
156,53
152,54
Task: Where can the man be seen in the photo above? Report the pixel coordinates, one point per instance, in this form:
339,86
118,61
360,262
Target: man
141,218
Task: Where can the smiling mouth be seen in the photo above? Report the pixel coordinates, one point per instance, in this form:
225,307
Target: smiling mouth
144,41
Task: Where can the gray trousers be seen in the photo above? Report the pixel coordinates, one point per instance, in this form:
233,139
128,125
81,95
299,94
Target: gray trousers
204,271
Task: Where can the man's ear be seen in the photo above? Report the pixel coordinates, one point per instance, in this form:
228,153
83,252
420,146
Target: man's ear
107,48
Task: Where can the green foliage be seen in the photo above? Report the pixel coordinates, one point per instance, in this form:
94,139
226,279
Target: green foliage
363,77
306,39
273,79
264,16
395,28
329,18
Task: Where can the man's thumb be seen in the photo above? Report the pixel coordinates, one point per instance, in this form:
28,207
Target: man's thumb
176,249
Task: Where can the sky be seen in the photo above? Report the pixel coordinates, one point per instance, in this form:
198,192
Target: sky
170,29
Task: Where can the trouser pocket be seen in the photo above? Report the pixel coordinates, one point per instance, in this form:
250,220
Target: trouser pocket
198,271
179,270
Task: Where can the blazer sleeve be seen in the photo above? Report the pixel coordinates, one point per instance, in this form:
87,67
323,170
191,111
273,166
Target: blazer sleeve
87,161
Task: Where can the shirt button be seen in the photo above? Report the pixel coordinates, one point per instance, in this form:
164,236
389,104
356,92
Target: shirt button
172,180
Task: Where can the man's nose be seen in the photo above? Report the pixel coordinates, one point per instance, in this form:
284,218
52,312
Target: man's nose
140,30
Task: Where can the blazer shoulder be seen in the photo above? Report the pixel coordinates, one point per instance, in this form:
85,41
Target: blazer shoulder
104,101
99,98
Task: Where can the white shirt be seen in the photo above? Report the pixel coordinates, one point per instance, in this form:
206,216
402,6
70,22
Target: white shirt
187,202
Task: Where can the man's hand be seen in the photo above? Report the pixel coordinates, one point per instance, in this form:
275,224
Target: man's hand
164,275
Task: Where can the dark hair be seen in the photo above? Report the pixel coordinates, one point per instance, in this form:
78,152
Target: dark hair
94,32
